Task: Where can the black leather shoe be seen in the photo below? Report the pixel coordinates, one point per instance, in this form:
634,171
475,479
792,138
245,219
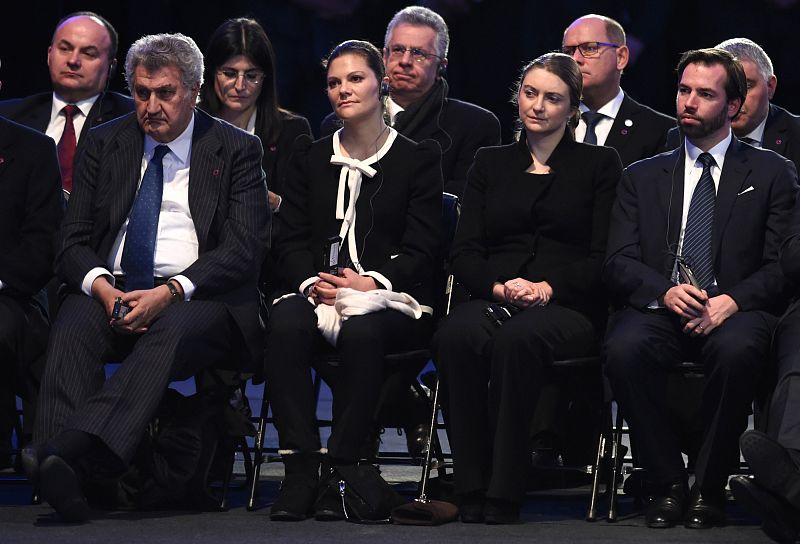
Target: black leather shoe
668,509
329,503
296,498
771,465
417,439
781,522
470,508
61,489
31,458
706,510
501,512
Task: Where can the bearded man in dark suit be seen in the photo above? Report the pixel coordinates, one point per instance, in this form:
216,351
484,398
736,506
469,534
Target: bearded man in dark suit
169,217
693,260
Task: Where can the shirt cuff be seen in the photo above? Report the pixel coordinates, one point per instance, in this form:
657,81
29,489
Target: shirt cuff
94,273
280,201
306,284
188,286
380,278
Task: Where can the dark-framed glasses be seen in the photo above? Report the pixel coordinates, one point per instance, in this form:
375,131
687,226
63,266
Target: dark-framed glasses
398,51
251,77
587,49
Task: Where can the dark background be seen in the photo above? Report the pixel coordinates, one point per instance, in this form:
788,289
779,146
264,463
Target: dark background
490,40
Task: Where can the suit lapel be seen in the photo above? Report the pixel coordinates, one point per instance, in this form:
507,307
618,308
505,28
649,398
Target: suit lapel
126,165
205,171
775,132
623,127
734,175
671,198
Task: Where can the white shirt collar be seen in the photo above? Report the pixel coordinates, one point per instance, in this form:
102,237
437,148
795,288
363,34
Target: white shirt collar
758,133
393,108
85,106
718,151
251,123
610,109
180,146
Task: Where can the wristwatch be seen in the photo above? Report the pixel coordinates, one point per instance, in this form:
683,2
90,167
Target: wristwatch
173,291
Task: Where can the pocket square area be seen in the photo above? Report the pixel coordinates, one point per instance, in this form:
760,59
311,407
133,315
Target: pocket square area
751,188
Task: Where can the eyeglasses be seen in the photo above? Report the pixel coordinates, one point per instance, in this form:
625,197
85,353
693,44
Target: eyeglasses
398,51
251,77
587,49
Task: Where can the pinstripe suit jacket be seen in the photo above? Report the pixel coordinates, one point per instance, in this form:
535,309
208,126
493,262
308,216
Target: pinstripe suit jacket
227,200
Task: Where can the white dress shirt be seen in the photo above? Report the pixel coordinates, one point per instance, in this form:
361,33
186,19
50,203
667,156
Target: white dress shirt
176,240
757,135
603,127
55,128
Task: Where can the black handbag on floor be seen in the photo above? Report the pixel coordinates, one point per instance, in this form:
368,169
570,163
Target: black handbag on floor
366,496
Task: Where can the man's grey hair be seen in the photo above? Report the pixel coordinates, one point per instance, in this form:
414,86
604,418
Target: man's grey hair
744,49
419,16
159,50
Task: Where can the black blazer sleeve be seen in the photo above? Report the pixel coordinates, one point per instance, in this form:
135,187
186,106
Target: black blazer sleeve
480,128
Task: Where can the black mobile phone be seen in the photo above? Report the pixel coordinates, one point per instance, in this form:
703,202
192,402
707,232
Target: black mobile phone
687,276
120,309
330,255
499,313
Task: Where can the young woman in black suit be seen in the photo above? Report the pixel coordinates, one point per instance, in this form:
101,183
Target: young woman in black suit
240,88
381,194
530,242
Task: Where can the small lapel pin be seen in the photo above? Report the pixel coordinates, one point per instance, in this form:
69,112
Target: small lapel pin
778,141
215,172
628,123
2,160
624,132
273,148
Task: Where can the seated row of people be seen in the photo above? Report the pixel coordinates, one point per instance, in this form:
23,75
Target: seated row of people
536,235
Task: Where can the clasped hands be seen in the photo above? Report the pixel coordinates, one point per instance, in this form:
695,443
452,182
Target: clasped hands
146,305
699,313
325,289
523,293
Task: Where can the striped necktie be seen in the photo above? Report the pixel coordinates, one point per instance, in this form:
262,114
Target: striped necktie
699,225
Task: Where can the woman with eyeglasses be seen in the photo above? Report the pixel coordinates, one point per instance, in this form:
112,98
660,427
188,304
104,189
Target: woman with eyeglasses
360,234
240,88
529,249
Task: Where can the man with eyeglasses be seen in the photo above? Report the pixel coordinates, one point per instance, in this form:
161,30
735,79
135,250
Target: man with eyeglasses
81,60
609,116
418,106
161,248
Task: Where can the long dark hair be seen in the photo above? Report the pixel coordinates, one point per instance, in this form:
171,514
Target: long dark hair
245,37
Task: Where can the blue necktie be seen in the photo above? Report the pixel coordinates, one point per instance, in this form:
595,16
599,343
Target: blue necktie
140,240
699,226
591,118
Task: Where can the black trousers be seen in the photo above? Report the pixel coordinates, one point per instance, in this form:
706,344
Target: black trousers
640,347
75,394
783,422
294,345
488,428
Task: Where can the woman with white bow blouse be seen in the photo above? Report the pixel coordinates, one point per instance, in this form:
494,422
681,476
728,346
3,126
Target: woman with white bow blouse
379,193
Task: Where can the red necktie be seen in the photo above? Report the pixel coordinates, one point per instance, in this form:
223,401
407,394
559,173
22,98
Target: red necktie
66,147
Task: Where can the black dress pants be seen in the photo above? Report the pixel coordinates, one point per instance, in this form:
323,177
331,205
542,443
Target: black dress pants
642,346
784,413
186,337
294,345
488,427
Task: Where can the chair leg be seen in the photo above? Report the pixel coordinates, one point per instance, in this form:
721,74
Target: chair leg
591,515
258,450
616,466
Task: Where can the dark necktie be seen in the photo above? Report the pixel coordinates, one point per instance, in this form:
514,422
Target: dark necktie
591,118
140,239
66,147
699,225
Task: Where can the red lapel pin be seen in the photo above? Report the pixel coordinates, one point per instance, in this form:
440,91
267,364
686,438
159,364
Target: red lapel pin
778,141
273,148
215,172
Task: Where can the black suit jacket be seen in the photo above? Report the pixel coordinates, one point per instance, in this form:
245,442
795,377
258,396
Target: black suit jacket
549,227
749,226
781,134
227,199
276,156
398,215
460,128
638,131
34,111
30,208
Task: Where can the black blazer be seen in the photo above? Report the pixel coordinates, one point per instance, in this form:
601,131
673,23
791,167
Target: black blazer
227,199
461,128
541,227
398,215
276,156
638,132
749,225
30,208
34,111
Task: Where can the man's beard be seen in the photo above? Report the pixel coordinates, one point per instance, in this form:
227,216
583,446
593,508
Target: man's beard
706,126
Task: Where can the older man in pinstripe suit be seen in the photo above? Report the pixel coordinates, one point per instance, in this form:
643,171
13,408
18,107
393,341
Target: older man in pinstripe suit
168,217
